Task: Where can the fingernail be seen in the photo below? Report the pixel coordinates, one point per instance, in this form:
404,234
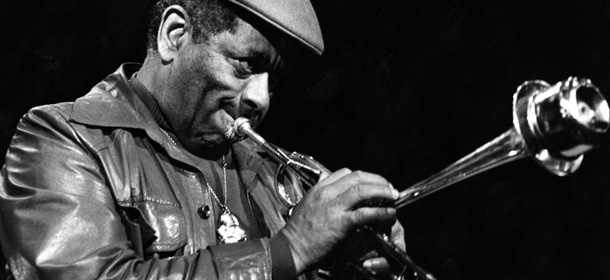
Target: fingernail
368,264
395,193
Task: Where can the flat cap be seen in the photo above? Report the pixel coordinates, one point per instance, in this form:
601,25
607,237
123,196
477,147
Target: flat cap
295,18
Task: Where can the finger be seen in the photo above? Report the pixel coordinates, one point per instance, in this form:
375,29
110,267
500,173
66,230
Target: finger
361,178
325,172
371,254
398,236
376,264
323,176
357,195
368,177
370,215
327,179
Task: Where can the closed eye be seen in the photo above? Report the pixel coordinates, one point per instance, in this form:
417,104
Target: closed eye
245,66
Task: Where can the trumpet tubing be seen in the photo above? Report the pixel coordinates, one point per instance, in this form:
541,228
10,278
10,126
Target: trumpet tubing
294,161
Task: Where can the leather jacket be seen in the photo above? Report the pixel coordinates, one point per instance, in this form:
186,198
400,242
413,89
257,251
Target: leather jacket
93,189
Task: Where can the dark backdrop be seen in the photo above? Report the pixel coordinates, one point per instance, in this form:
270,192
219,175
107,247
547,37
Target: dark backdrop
403,89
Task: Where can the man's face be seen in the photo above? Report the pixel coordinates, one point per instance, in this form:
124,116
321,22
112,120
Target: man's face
214,82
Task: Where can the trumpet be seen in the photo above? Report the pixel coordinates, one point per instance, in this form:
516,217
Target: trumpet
553,124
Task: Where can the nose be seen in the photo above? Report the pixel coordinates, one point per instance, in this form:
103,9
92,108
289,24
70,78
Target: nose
256,97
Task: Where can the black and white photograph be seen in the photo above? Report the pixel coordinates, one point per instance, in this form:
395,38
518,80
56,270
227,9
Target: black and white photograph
305,139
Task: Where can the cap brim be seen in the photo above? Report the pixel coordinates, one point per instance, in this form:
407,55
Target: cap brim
295,18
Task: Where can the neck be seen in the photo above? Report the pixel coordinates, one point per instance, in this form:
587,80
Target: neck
214,154
149,74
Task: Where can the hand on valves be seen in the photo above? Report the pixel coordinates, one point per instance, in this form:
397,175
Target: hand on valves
330,211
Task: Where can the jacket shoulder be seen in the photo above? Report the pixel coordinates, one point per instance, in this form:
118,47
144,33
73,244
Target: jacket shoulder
49,112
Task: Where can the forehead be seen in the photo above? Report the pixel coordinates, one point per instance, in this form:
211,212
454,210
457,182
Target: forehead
246,41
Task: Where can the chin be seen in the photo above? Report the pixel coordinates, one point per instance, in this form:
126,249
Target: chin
210,147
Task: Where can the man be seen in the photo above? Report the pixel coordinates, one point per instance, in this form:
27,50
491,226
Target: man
138,179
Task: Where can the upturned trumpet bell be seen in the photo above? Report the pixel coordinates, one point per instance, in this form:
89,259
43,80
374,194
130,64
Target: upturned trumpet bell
553,124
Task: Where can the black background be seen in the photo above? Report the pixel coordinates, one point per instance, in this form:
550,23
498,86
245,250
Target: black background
403,89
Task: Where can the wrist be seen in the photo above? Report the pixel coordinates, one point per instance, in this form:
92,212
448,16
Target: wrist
283,266
299,263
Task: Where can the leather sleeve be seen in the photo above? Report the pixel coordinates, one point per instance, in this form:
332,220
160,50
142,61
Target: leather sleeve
58,218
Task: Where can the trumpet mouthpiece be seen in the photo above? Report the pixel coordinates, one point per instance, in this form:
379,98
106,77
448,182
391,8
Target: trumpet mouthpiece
241,125
235,132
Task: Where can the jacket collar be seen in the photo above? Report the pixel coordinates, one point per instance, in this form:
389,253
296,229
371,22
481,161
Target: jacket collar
112,103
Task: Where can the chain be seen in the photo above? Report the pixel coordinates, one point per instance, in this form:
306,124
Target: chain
224,176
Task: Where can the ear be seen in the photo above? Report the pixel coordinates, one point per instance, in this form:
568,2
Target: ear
173,32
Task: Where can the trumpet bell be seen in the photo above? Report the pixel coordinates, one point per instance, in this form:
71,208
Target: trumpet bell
560,123
554,125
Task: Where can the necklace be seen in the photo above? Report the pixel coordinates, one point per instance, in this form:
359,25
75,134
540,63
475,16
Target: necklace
228,230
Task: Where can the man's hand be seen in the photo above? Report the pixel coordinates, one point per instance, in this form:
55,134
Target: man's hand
330,211
380,264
